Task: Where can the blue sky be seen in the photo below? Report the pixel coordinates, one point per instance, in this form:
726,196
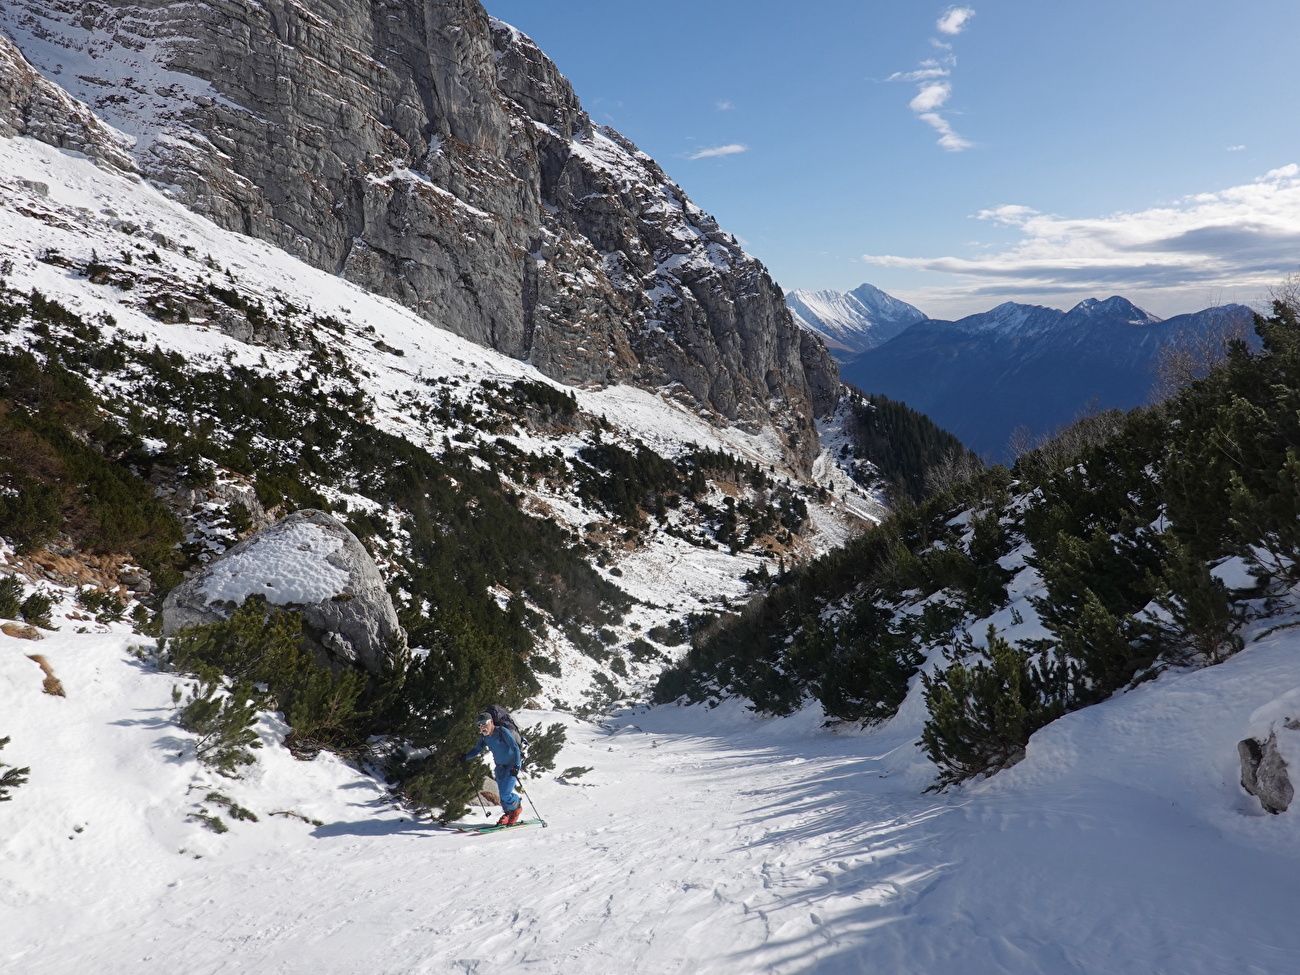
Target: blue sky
959,156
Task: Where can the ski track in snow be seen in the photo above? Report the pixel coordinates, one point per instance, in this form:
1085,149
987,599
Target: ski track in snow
702,841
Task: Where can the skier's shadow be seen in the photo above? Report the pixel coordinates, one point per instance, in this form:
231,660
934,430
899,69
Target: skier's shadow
379,827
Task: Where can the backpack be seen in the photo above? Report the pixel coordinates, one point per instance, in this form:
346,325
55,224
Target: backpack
501,718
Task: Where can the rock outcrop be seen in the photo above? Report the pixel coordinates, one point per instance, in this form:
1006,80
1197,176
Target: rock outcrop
307,562
436,156
1264,773
31,105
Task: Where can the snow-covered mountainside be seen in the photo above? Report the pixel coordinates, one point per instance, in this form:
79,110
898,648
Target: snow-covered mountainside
387,279
853,321
433,155
164,291
1028,366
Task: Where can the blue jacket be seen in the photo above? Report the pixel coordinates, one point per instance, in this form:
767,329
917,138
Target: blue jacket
502,744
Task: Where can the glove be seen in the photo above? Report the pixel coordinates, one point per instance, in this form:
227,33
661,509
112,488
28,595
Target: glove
464,758
514,769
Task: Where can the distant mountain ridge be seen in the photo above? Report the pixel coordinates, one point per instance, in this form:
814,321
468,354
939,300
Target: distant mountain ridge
1012,318
1015,365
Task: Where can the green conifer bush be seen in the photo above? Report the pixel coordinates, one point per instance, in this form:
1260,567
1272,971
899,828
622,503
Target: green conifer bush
223,720
11,591
1122,517
10,777
261,649
1203,622
543,747
982,713
36,609
432,709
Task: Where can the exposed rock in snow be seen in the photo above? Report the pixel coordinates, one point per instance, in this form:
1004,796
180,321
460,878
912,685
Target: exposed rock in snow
33,106
307,562
1264,773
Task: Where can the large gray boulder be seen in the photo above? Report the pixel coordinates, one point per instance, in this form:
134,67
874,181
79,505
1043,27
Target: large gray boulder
1264,773
307,562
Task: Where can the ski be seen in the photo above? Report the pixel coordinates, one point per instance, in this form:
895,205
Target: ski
498,829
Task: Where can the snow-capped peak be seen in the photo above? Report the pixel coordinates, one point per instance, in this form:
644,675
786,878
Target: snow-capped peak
1114,307
854,321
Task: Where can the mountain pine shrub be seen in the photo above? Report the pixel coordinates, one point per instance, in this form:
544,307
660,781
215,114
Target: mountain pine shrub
543,747
982,713
10,777
1122,517
11,591
36,609
1200,623
432,708
223,720
261,649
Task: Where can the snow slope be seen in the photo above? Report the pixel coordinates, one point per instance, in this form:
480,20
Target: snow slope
701,841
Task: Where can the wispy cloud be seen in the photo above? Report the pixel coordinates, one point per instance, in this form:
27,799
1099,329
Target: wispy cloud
1236,148
954,20
930,77
928,70
949,139
725,106
716,151
1241,239
931,96
1009,214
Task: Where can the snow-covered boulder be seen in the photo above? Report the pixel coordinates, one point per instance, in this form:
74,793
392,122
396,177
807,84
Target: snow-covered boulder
307,562
1264,773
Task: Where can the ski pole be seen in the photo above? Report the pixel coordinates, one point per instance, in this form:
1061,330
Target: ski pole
520,787
479,796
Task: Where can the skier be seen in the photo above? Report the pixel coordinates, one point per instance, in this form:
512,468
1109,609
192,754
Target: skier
503,742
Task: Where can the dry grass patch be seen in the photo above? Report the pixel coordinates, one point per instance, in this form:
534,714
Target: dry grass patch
52,684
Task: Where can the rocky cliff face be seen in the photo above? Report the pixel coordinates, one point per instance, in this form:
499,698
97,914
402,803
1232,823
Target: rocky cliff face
435,156
31,105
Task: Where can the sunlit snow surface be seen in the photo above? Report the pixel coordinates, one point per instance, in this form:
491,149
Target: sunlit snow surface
702,841
287,566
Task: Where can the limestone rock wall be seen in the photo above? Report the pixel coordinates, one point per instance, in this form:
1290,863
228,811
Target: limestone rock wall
32,106
436,156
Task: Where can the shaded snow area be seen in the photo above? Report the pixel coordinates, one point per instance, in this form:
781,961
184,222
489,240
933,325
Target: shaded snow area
700,841
287,566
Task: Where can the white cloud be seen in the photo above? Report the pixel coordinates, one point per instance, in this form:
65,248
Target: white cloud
1010,214
1235,148
932,87
926,71
954,20
725,106
716,151
931,96
949,139
1241,239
